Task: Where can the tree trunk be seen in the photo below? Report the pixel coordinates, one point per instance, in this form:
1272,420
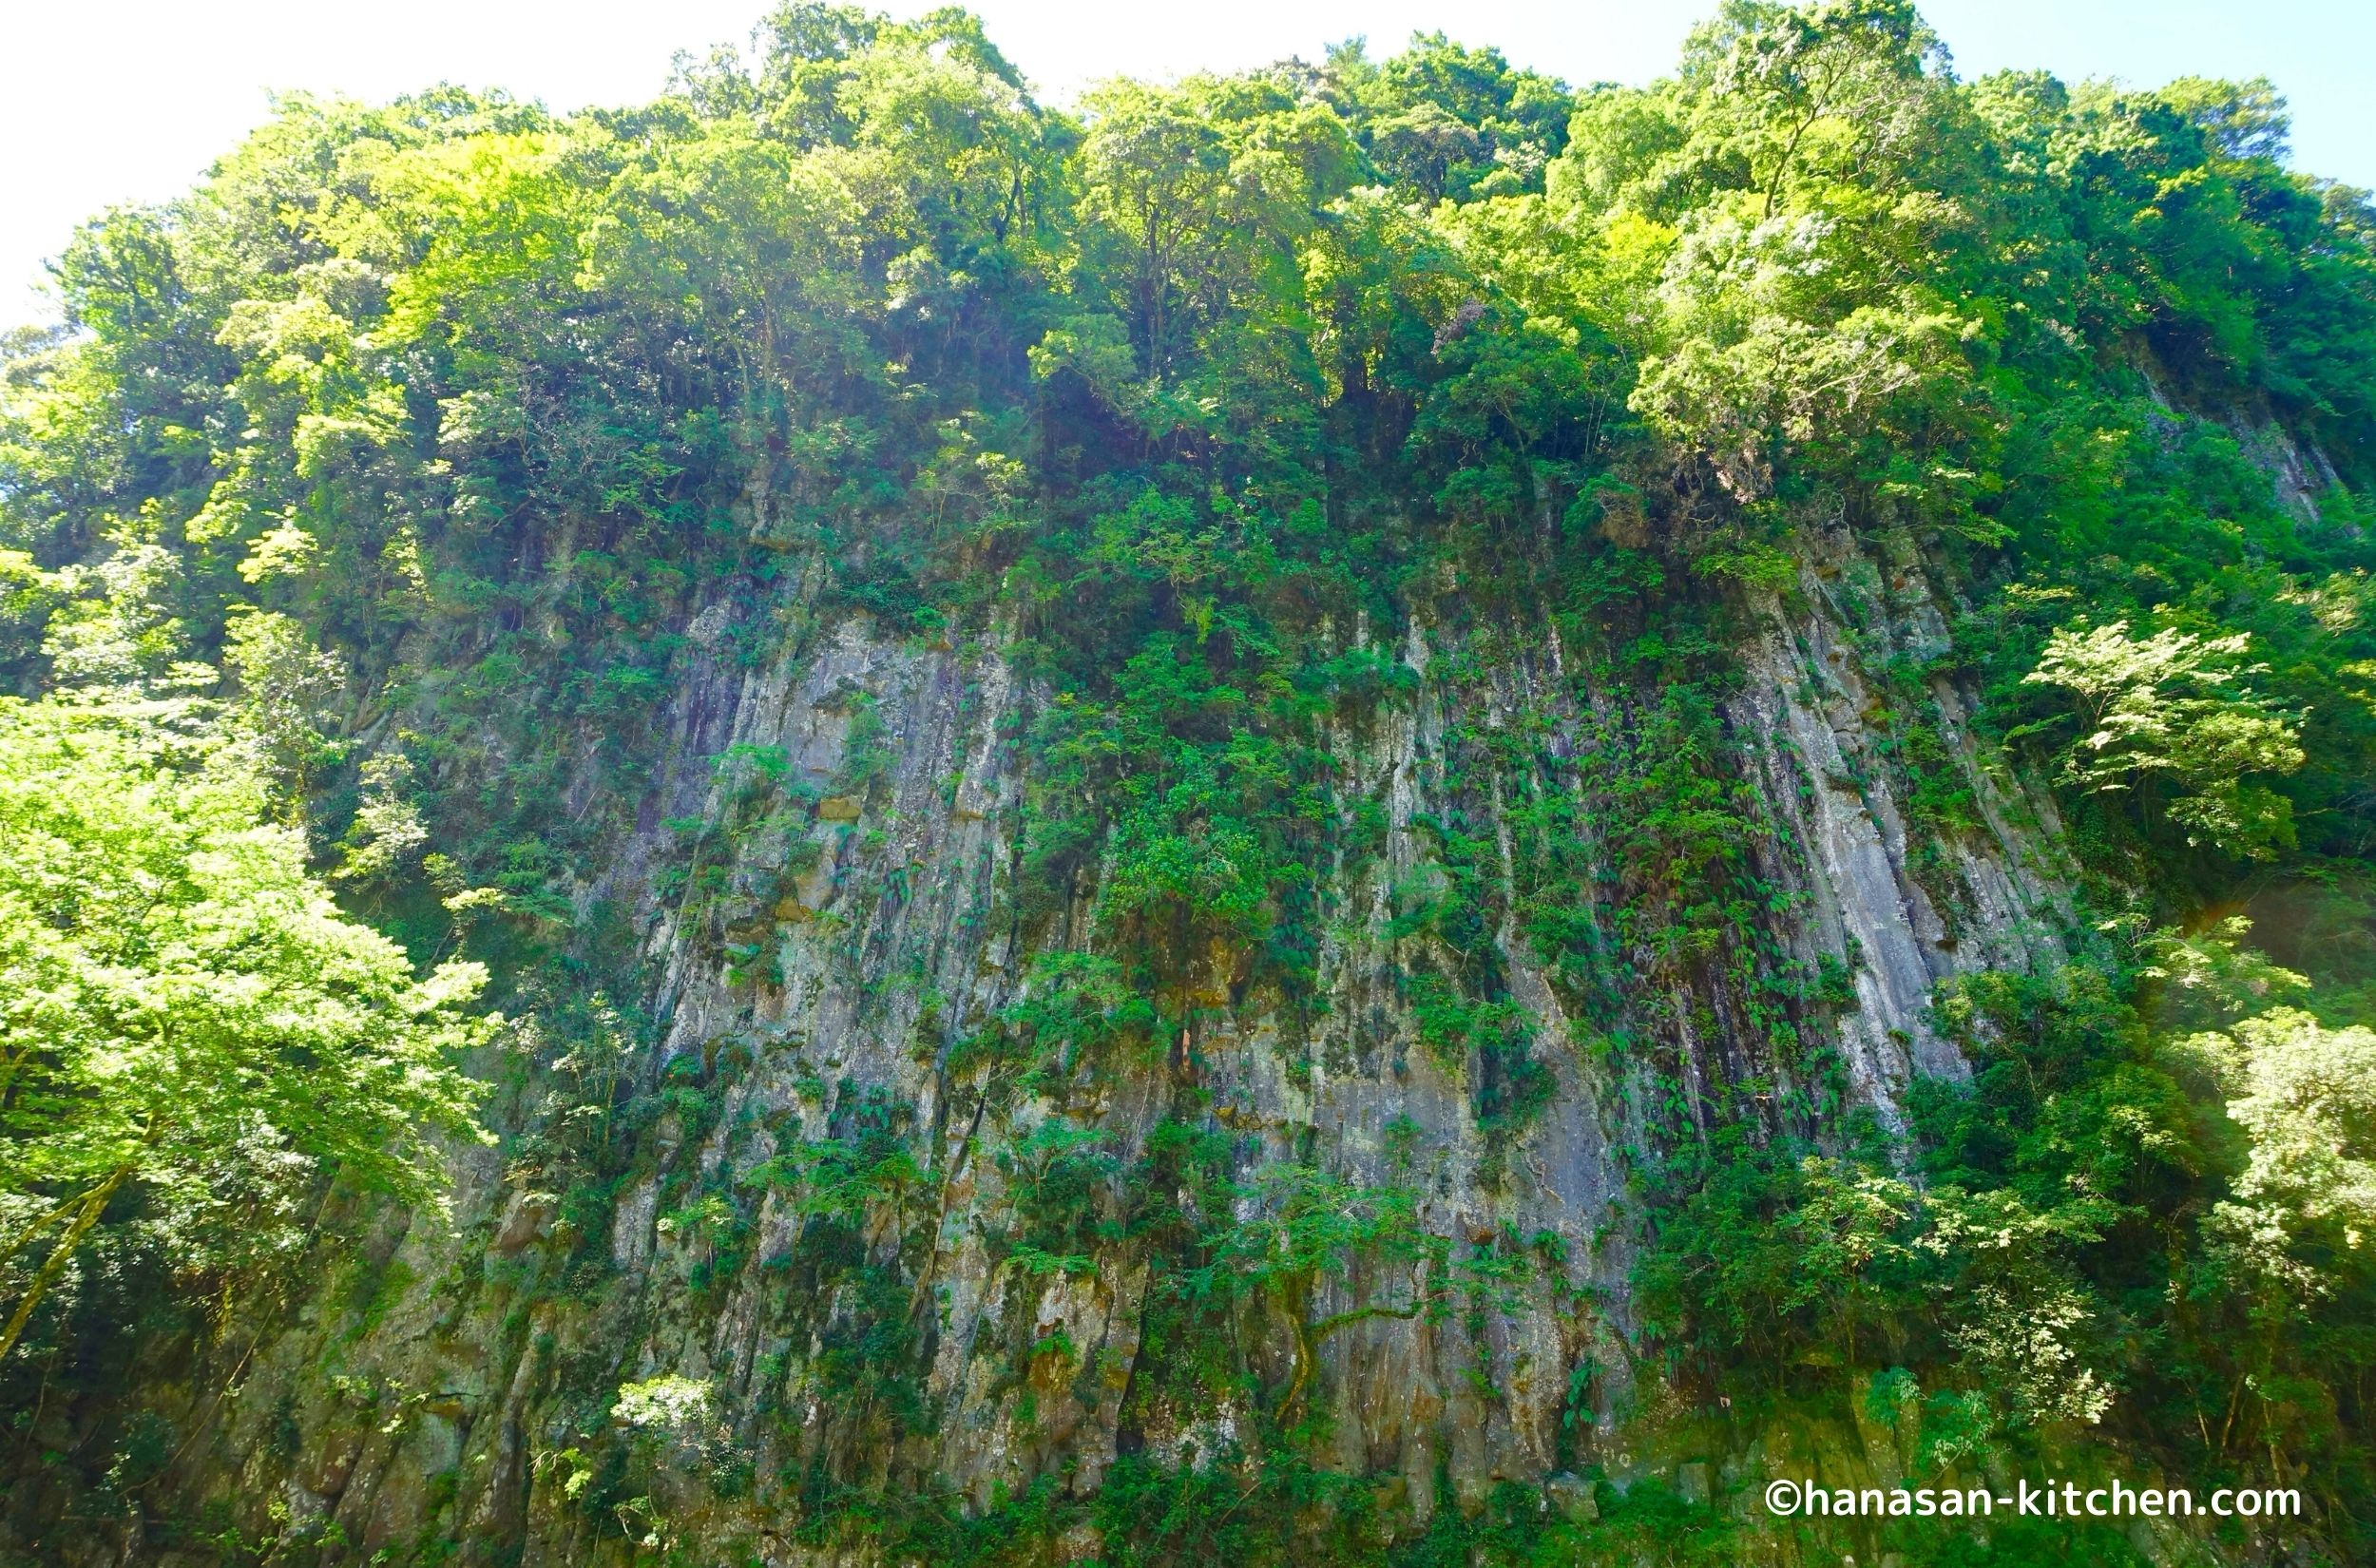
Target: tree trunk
94,1203
23,1238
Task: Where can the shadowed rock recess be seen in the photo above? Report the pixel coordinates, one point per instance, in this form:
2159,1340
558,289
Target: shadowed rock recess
1370,814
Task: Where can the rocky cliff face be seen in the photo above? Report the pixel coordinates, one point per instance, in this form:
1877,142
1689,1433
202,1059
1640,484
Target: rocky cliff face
845,928
1258,824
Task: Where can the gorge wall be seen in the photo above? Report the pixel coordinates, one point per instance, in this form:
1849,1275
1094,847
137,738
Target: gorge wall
1367,814
433,1404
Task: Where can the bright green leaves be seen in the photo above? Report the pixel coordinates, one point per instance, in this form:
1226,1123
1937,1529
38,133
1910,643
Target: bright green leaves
483,234
751,242
284,686
2027,1333
1079,1022
862,1196
189,1019
1805,98
28,594
1778,1256
1201,802
842,1179
1766,357
1267,427
2171,528
1296,1237
1800,159
2304,1207
2117,1176
1062,1179
1096,349
1197,200
1681,828
2175,705
1306,1225
1177,867
950,154
1520,408
1440,120
1784,1268
1491,1044
1191,551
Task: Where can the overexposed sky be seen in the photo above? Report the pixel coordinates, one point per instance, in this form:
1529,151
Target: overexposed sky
104,102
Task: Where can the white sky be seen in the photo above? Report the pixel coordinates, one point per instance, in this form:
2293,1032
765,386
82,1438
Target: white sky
104,102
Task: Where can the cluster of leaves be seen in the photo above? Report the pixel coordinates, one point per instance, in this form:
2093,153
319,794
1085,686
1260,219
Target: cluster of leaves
195,1039
2144,1210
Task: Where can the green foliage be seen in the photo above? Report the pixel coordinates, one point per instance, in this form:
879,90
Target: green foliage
2098,1230
195,1038
2154,707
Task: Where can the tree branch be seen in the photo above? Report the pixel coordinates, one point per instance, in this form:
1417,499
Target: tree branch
93,1203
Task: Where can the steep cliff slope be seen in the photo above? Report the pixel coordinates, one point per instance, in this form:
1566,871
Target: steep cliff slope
1368,814
850,1005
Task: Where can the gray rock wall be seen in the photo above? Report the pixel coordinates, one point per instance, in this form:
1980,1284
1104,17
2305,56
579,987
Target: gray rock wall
452,1402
